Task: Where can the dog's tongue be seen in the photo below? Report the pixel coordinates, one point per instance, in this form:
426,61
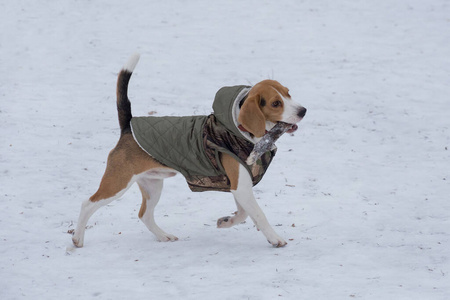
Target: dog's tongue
293,128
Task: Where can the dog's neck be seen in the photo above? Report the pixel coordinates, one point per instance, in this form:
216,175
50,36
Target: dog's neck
235,111
238,102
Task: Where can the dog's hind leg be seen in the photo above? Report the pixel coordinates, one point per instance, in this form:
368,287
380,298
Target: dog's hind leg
88,208
115,182
151,192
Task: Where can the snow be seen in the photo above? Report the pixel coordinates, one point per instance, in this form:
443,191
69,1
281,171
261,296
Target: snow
360,192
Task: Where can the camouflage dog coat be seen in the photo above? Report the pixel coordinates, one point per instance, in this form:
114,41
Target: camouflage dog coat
192,145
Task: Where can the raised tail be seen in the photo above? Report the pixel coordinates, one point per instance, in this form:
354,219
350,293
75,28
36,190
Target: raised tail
123,103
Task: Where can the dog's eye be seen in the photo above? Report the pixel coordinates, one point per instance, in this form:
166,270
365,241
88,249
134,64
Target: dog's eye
276,103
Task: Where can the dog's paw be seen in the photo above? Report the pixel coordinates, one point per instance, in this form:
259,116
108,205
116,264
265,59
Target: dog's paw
277,243
224,222
167,238
77,242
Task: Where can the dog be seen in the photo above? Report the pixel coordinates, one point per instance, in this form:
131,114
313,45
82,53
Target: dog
248,114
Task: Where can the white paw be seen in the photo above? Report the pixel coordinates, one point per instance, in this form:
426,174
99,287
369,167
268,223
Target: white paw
167,238
277,242
77,242
225,222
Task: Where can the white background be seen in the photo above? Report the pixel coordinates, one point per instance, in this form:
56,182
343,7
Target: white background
361,191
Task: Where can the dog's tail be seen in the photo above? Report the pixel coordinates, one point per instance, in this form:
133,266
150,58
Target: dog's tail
123,103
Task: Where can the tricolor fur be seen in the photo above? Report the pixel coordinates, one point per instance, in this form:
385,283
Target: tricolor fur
267,103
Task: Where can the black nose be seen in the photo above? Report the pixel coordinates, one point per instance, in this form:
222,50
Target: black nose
301,112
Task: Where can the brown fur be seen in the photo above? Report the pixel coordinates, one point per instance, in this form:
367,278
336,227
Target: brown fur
253,115
124,161
231,167
127,160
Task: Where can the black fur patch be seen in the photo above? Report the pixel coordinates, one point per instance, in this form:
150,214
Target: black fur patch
263,102
123,103
242,101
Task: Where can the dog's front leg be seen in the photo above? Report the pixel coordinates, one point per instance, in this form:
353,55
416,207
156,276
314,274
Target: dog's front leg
244,196
239,217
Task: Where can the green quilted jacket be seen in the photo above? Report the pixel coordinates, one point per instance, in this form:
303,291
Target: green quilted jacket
192,145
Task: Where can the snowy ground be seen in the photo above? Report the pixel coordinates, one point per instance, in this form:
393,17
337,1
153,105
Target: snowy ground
361,192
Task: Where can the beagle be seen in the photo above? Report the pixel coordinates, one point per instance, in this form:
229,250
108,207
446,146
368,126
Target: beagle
253,111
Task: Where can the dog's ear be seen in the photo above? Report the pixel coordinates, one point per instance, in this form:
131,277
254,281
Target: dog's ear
252,117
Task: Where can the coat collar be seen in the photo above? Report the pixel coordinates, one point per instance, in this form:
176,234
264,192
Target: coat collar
226,108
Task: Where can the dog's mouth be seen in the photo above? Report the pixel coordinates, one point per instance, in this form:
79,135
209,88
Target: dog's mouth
292,127
300,114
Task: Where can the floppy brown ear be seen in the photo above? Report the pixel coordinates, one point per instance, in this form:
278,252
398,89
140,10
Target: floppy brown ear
251,116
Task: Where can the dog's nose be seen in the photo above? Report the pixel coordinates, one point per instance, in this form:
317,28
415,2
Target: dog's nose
301,112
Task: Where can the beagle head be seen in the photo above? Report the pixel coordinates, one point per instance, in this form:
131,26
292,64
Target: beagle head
267,103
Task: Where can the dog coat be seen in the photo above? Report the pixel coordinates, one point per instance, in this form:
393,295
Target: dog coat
192,145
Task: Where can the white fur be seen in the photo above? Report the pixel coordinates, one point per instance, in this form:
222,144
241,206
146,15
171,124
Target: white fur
239,217
290,110
245,198
290,113
153,187
151,182
131,63
88,208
